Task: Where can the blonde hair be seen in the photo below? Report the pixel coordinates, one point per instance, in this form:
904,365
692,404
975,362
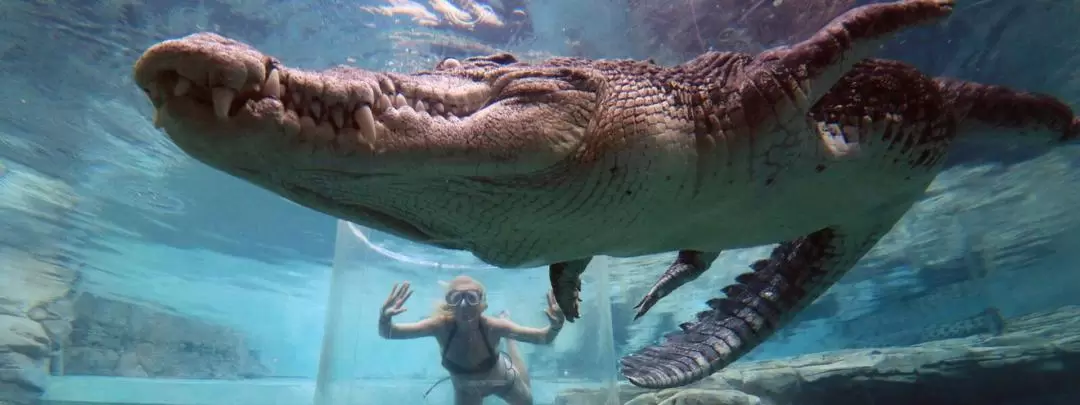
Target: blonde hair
444,310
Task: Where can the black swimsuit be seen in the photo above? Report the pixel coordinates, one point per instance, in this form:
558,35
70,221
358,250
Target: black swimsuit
487,365
482,367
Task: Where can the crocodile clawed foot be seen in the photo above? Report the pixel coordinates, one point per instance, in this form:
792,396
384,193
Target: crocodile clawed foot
654,295
566,286
687,266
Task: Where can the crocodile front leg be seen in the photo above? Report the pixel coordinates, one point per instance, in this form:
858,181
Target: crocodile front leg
566,286
687,267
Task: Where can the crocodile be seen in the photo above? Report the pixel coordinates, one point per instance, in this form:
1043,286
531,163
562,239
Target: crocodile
816,146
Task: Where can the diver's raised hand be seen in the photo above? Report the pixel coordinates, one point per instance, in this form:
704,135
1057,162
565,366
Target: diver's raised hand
554,314
395,302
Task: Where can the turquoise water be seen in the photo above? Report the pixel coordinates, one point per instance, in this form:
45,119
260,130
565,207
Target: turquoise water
132,274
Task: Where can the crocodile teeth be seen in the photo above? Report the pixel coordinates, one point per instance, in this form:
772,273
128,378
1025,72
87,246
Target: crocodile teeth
386,85
400,101
223,98
337,116
367,96
383,102
272,88
182,86
366,121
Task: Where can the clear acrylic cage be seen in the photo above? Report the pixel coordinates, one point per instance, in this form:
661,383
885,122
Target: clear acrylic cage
359,367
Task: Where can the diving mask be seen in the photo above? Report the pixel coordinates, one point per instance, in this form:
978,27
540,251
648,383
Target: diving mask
464,297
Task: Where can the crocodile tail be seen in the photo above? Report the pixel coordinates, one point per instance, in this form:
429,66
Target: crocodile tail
998,112
758,304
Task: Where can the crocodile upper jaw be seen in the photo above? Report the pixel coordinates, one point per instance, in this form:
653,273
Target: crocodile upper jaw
241,111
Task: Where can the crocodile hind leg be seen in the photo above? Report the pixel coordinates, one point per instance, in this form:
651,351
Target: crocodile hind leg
687,267
759,303
566,286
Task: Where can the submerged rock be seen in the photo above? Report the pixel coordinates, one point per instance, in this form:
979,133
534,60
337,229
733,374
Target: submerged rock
33,285
115,338
695,397
99,336
1036,355
23,336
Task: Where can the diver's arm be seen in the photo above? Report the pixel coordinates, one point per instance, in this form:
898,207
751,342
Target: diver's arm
395,305
538,336
389,330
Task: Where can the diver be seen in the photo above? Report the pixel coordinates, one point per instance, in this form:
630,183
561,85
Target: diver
469,341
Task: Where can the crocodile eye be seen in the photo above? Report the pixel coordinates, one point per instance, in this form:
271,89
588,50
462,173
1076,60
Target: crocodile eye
448,63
